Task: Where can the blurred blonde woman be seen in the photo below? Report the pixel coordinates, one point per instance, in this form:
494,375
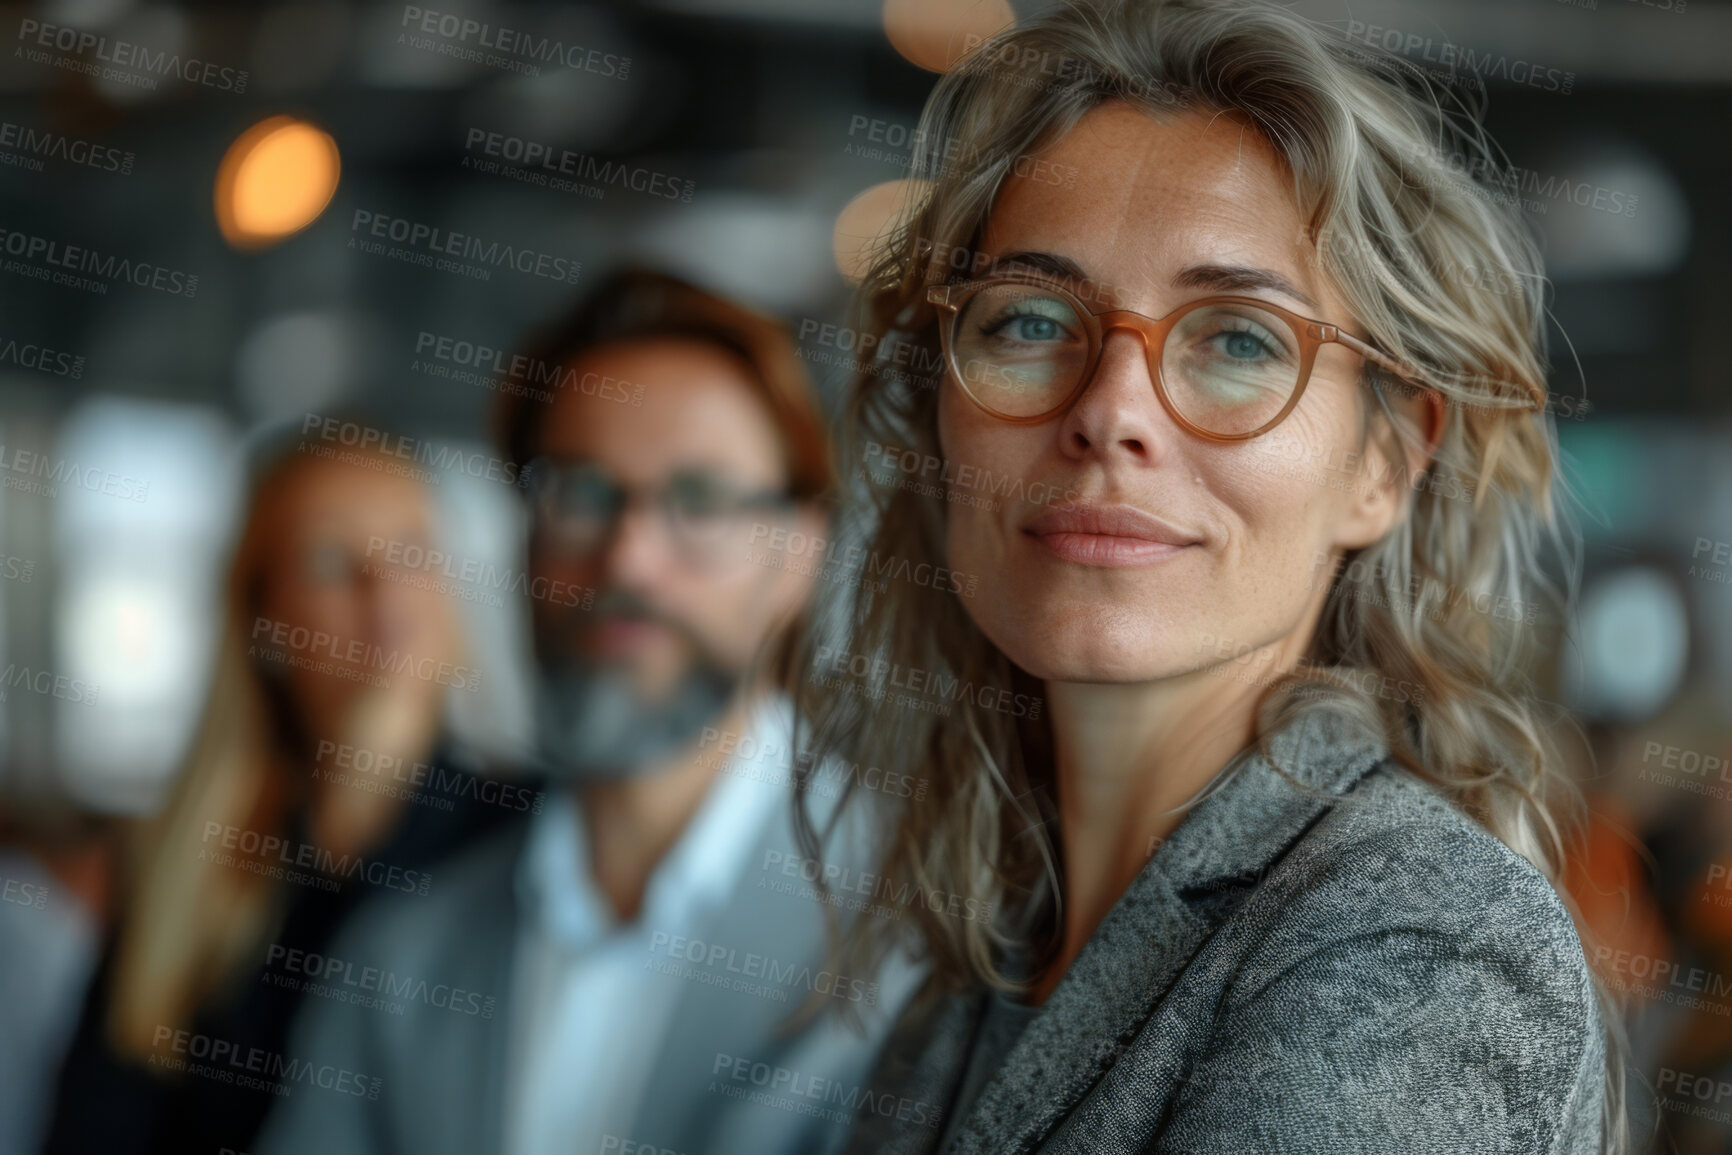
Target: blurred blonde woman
1235,457
298,798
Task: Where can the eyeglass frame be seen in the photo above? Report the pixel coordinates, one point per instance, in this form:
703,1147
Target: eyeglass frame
1312,335
779,499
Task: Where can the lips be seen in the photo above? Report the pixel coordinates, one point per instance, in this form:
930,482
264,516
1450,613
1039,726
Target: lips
1108,535
620,634
1110,521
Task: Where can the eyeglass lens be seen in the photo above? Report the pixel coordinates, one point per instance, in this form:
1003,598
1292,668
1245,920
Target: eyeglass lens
1021,349
580,503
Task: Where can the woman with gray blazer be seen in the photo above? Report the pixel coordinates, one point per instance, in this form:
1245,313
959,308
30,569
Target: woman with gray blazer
1198,478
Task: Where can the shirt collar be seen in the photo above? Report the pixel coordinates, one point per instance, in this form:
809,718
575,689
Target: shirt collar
560,898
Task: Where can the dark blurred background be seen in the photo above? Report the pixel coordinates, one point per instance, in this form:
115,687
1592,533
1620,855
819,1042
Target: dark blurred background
127,410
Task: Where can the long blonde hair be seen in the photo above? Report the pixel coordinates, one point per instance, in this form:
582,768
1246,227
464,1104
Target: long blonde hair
1401,189
189,928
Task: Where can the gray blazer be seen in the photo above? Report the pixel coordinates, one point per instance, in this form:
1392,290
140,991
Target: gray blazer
1355,969
442,1075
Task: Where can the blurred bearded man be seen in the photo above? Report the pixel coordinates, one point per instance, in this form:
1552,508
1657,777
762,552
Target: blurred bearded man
633,952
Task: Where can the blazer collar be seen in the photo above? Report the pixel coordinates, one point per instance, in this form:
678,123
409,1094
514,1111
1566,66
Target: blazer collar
1243,821
1249,813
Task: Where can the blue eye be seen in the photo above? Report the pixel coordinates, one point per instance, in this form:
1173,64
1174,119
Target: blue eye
1243,346
1031,321
1035,328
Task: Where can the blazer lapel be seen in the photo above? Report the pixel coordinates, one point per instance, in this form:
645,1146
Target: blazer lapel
480,1048
493,1058
1133,957
1242,822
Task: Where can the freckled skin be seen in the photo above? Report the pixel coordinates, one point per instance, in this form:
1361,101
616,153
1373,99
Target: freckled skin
1151,197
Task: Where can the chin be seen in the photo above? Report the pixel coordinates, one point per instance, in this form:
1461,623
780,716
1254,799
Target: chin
1097,645
1098,666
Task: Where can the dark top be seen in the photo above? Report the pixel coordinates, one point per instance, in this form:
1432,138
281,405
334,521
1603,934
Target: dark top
111,1105
1001,1025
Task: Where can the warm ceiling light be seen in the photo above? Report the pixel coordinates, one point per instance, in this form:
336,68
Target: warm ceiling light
274,181
935,34
867,221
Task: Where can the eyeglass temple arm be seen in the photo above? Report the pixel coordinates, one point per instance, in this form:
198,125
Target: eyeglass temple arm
1400,369
1406,373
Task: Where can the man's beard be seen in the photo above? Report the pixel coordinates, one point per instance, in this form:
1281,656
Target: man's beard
594,725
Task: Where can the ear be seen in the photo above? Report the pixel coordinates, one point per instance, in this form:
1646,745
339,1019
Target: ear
1405,428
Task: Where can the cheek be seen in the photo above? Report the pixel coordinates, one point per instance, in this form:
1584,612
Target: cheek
544,563
986,463
740,602
728,606
426,612
1281,492
974,547
332,610
342,613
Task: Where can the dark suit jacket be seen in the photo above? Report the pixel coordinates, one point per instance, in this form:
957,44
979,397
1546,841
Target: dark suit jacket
443,1076
1354,968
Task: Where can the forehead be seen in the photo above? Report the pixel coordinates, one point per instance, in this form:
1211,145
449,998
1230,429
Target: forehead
1134,198
645,409
322,495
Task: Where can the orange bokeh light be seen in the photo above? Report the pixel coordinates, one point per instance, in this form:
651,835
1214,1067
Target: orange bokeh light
866,221
274,181
935,34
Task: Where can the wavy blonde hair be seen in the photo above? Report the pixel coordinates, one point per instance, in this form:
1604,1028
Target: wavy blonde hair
1401,188
190,930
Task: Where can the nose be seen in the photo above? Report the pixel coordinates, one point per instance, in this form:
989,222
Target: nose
638,548
389,609
1119,410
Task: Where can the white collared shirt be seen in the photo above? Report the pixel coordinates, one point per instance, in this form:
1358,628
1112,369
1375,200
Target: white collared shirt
588,1016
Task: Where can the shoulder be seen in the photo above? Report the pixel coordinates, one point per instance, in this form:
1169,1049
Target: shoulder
468,890
1397,935
1394,855
1395,850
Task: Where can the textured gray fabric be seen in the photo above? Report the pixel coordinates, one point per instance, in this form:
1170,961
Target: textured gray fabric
1355,968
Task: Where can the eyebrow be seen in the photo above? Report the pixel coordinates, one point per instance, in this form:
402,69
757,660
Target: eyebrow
1238,278
1049,263
1215,278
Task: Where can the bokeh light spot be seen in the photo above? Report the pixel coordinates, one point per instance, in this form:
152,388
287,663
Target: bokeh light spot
275,180
867,221
935,34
